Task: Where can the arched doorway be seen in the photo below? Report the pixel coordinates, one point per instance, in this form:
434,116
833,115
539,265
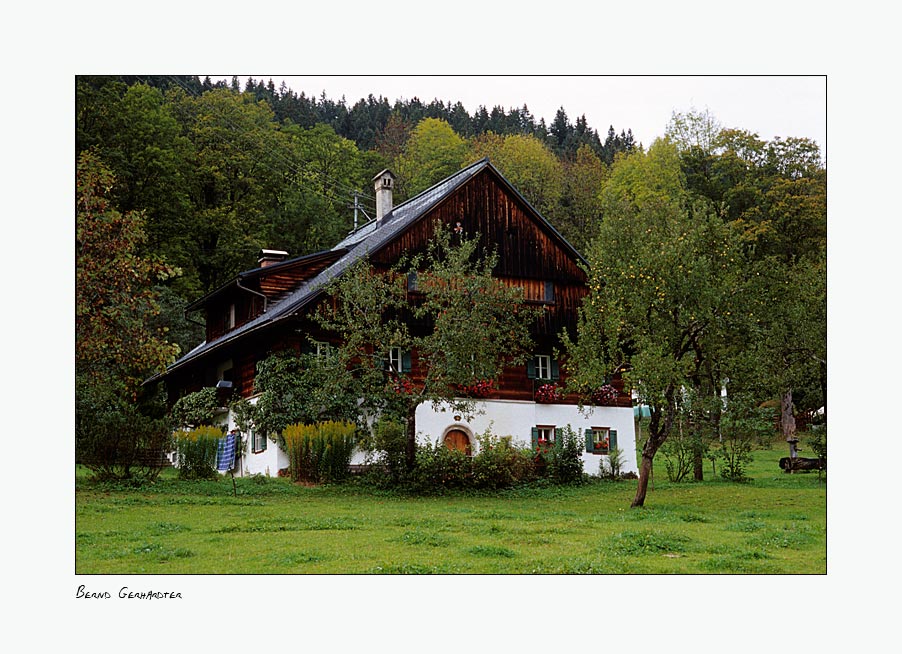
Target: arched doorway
457,439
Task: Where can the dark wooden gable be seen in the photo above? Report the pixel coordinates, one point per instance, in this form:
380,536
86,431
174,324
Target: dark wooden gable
531,254
527,248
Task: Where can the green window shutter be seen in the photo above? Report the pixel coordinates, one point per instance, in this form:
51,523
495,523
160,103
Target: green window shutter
555,370
405,362
531,368
612,439
535,437
590,440
557,435
307,348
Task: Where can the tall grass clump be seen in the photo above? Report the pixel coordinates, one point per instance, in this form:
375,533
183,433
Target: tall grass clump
320,452
196,450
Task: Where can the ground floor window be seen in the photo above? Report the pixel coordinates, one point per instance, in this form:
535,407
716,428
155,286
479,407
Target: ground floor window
258,440
600,440
543,435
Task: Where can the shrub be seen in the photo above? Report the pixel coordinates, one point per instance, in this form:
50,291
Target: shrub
611,466
741,425
195,409
564,461
116,438
438,468
390,443
196,450
319,452
499,464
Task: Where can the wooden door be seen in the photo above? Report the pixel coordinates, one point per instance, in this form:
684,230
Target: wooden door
457,440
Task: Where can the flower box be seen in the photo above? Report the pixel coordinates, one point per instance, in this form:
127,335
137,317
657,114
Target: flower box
549,394
482,388
604,396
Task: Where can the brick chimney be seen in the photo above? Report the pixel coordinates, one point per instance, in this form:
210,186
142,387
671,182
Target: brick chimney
269,257
384,182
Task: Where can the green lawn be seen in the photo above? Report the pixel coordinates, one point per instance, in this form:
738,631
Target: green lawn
775,524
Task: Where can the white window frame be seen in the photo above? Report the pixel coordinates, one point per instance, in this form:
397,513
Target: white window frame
255,438
322,350
543,366
395,359
545,434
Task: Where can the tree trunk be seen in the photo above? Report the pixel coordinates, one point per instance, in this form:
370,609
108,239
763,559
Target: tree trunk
644,473
787,420
698,465
645,468
410,450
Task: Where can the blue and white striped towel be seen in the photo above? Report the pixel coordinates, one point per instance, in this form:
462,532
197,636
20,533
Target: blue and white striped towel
225,453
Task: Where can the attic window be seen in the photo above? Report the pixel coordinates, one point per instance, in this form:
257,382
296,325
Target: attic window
231,318
549,292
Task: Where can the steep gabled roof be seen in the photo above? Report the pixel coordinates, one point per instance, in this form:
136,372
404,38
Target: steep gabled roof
359,244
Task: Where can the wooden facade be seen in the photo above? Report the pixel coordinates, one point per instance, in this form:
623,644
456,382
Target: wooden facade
531,255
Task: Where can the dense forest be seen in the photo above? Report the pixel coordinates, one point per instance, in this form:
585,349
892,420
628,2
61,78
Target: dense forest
220,172
710,237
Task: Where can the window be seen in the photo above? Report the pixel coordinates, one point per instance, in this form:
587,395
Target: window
542,366
543,435
258,441
549,292
398,360
322,349
600,440
412,281
231,318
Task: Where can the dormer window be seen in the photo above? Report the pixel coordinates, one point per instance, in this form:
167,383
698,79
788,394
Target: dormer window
231,318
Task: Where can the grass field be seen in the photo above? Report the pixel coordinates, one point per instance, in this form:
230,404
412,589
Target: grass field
774,524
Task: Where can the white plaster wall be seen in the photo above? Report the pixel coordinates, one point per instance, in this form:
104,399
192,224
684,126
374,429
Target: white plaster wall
517,418
268,462
503,417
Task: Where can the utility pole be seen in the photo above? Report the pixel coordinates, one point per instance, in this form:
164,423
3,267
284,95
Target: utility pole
355,207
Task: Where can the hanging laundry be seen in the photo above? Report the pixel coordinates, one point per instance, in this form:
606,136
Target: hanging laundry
225,453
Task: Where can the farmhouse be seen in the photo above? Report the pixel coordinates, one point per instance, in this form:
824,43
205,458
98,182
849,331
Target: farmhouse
269,308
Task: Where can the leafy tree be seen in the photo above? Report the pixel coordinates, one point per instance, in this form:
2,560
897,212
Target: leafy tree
530,166
433,151
302,388
775,193
113,292
240,164
461,325
581,206
311,213
664,286
693,130
114,348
